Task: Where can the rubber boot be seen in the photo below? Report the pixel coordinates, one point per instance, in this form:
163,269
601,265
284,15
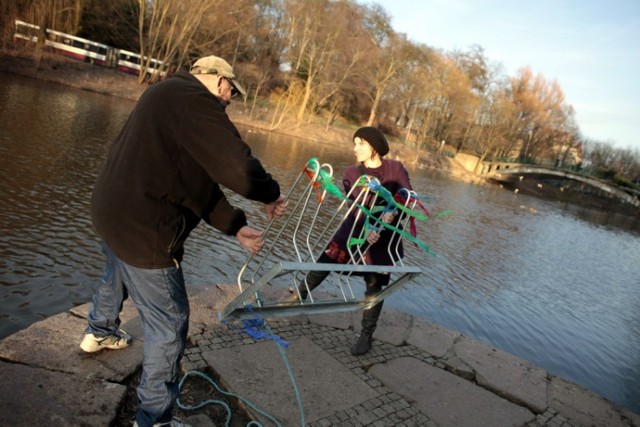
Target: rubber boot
369,323
314,278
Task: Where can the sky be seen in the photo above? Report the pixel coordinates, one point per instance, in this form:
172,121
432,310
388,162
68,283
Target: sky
590,47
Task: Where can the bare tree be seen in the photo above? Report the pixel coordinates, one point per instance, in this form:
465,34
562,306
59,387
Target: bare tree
259,58
59,15
166,30
627,163
409,96
386,66
475,65
451,103
541,114
321,56
114,23
493,124
339,58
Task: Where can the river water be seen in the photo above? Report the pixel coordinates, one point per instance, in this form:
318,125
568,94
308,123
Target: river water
552,283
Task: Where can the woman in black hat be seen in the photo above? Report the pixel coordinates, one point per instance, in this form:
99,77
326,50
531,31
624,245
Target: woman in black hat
369,147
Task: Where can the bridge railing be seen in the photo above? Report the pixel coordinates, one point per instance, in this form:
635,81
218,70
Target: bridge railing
501,171
491,168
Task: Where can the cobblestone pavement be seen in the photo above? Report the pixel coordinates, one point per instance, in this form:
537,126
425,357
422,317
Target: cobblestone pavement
416,374
387,409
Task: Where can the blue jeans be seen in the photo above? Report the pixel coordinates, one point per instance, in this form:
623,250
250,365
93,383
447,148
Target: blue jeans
161,299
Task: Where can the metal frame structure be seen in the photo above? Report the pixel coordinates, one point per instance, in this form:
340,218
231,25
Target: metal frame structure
308,235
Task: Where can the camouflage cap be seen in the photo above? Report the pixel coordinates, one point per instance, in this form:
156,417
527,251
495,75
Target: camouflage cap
218,66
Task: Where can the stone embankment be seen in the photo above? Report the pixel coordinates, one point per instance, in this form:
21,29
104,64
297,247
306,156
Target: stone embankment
417,374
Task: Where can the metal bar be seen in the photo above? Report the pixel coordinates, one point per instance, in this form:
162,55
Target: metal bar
237,308
244,296
388,290
306,238
313,266
293,310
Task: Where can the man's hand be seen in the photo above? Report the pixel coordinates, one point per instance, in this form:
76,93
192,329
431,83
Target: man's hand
276,209
250,239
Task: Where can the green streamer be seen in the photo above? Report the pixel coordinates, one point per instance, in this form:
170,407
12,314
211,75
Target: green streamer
326,182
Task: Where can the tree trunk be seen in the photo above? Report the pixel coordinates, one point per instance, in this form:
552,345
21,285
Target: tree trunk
374,107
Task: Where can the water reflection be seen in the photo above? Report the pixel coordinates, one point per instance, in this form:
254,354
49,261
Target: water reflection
610,220
52,144
552,283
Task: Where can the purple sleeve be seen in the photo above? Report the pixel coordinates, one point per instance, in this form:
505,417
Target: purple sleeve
349,178
403,178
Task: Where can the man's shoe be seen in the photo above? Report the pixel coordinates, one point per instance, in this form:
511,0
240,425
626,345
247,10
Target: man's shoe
119,340
175,422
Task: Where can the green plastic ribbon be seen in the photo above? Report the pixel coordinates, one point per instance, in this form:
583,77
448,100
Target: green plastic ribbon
326,182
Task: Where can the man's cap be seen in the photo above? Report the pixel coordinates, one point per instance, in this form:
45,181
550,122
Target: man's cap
375,138
215,65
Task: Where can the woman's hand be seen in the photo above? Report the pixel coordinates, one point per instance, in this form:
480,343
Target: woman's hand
373,237
388,217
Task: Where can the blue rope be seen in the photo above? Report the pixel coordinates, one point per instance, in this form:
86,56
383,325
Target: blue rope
220,402
257,329
293,381
252,329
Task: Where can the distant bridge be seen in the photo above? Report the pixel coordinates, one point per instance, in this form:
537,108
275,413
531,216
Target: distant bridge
506,172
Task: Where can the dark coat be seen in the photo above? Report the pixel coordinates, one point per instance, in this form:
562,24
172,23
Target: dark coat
393,176
164,171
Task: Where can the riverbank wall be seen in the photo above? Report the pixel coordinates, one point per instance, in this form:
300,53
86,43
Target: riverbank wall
416,374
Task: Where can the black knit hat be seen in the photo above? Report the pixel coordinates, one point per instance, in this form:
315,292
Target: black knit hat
375,138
